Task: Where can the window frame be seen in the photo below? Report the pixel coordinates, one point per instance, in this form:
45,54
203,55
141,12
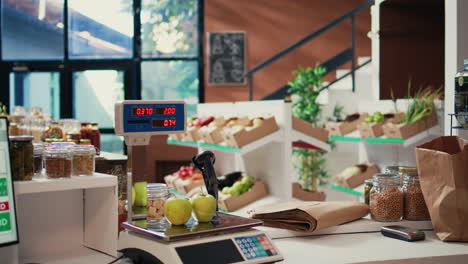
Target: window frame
130,66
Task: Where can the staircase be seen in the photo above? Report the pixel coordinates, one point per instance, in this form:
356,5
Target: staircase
345,56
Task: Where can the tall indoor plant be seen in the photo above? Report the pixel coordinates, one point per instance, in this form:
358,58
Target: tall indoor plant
304,90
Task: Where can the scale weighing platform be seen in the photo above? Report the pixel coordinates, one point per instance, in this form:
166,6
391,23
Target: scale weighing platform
226,239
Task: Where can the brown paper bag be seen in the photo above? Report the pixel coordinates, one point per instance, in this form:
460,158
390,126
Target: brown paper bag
309,216
443,172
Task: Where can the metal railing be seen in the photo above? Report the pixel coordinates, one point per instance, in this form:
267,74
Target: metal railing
345,56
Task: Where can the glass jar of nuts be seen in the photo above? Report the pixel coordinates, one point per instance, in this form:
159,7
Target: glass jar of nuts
386,198
157,194
58,162
83,160
415,207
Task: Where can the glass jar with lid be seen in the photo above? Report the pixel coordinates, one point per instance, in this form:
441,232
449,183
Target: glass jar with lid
83,160
386,198
38,165
414,205
58,162
405,170
22,161
157,195
367,187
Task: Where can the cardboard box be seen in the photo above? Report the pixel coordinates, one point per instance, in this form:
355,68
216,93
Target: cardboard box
408,130
304,195
170,179
191,134
247,135
376,129
185,186
182,185
343,128
233,202
212,135
368,169
307,128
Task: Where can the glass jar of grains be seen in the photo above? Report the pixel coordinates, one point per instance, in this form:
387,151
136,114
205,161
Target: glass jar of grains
367,187
405,170
22,161
58,162
38,151
386,198
415,207
157,194
83,160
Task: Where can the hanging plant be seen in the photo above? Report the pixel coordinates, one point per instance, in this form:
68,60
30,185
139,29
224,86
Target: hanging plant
305,89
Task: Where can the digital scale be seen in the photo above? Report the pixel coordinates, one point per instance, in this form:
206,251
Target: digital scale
226,239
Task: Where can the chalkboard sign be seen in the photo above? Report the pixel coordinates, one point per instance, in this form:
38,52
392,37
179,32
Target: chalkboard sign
226,58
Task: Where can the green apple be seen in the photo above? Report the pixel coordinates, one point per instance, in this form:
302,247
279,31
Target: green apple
177,210
204,207
249,181
140,193
133,195
226,190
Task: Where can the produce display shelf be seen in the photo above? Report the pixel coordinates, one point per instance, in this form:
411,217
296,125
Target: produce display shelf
299,136
346,190
41,185
345,138
384,140
182,143
219,147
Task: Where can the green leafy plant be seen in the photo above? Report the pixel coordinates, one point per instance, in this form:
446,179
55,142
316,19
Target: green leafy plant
305,88
422,104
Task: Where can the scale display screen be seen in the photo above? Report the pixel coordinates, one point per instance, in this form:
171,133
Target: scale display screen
141,117
217,252
149,111
8,227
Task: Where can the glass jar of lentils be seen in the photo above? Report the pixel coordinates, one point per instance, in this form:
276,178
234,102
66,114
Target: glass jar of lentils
386,198
58,162
415,207
83,160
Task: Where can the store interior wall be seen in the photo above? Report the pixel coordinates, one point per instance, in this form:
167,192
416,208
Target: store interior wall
272,25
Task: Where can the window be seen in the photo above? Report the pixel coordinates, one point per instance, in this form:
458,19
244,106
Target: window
75,58
100,29
100,89
32,30
171,80
40,89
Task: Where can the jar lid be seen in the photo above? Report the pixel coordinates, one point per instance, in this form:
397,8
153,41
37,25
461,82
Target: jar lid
387,178
84,149
63,144
156,186
21,138
369,181
55,150
38,147
85,141
407,169
391,169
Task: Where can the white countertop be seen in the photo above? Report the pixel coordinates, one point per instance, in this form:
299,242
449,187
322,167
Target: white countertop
354,247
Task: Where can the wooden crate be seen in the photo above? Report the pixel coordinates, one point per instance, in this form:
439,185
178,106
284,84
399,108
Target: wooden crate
233,202
408,130
304,195
307,129
245,136
343,128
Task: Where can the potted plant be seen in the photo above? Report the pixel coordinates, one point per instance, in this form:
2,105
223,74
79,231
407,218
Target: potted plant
309,164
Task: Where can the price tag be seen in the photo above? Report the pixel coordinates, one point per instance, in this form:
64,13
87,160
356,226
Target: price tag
3,187
4,206
5,224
